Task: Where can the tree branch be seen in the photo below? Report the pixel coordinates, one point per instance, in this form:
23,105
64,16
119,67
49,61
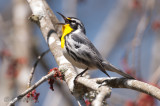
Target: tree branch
43,79
131,84
34,66
39,10
104,92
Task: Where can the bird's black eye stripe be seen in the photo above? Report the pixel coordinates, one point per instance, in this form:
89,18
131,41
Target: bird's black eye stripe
71,21
74,21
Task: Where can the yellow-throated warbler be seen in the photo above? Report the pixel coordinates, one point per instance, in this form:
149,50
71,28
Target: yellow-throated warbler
80,51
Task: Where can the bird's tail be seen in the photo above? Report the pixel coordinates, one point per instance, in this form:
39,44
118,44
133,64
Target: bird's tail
112,68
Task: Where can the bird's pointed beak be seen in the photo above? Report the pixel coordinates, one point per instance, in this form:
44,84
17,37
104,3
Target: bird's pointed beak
65,19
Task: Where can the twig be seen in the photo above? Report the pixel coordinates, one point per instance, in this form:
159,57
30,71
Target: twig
44,78
35,65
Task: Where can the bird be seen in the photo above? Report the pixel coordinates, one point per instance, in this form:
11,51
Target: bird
80,51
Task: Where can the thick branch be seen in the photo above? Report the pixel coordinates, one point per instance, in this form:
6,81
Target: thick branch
39,10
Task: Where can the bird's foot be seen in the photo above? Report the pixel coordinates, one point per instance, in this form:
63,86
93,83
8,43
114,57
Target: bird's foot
103,83
80,74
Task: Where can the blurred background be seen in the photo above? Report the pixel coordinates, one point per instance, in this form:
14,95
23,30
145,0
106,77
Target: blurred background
126,32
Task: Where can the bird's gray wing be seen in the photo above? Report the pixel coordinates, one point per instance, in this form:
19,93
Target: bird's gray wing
87,51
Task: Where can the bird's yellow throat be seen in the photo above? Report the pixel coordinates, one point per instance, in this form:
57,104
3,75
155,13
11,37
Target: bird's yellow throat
66,29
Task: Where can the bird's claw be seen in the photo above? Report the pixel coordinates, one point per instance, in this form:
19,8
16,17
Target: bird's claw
103,83
79,75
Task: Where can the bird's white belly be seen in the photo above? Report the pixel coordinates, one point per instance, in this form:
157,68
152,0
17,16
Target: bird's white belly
73,62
